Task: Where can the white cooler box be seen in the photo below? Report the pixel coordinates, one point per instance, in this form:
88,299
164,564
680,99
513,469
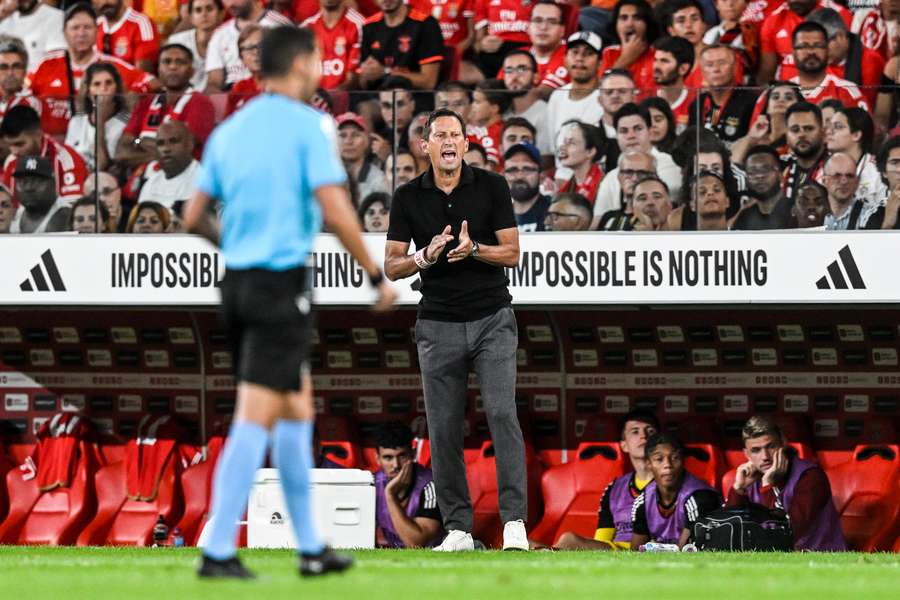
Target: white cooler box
343,501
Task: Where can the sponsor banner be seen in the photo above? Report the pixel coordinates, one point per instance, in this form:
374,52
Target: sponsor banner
570,268
689,381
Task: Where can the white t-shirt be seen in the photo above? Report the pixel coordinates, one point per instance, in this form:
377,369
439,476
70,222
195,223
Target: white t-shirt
81,136
610,192
560,108
188,39
872,190
168,191
41,31
222,52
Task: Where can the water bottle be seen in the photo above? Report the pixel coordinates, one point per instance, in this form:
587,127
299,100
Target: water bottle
658,547
177,538
160,532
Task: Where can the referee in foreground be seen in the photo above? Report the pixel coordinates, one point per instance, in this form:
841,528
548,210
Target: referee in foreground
274,167
461,219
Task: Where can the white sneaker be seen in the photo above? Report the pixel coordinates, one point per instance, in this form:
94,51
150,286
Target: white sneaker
514,536
456,541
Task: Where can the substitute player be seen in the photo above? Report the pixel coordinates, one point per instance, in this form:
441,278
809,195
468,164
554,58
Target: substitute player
274,168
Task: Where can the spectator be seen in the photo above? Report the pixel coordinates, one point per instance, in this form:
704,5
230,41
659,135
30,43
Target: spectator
722,107
149,217
517,130
886,108
406,510
662,123
616,90
520,76
170,178
205,16
633,133
40,209
775,479
885,217
475,156
811,206
57,77
382,142
651,204
401,42
126,34
852,133
243,91
456,20
709,155
13,61
224,67
776,33
635,29
669,506
522,169
397,102
684,19
485,124
673,60
614,517
83,218
769,209
7,210
501,26
407,168
842,181
736,32
633,165
578,100
21,132
579,150
354,146
810,47
711,201
806,141
177,101
545,31
569,211
110,193
414,133
338,28
768,125
455,96
39,25
102,100
375,212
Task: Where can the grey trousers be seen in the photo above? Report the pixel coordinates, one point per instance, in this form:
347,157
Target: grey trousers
446,353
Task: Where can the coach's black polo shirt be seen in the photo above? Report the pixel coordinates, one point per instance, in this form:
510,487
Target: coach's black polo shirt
415,42
470,289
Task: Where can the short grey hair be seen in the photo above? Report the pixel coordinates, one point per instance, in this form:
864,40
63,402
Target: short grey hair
830,19
636,154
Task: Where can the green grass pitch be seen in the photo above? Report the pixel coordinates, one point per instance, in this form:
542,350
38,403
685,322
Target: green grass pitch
29,573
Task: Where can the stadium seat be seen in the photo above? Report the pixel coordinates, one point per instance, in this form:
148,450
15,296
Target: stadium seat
865,493
482,478
572,491
196,486
705,462
5,466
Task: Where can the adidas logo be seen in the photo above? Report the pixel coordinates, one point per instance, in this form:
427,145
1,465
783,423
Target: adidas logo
40,281
835,279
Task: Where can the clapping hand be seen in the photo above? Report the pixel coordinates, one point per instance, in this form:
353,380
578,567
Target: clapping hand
464,249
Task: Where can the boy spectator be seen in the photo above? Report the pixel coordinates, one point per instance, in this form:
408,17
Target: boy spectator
517,130
13,62
569,211
810,51
406,509
806,140
170,178
673,60
353,134
769,209
522,169
635,28
485,124
126,34
40,210
39,26
841,180
338,30
723,107
684,19
775,479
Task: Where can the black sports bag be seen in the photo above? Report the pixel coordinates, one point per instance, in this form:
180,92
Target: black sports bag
743,529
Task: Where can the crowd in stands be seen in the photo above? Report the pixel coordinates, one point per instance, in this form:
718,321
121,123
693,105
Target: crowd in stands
603,115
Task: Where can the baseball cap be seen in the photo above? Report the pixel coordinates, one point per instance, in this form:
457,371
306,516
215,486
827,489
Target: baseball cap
586,37
352,118
527,148
37,166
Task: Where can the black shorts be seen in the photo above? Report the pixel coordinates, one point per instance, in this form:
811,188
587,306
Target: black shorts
268,315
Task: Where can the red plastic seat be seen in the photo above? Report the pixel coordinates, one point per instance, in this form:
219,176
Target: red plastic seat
705,462
5,467
865,494
196,487
572,491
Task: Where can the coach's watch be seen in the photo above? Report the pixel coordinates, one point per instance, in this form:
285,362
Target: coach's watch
474,251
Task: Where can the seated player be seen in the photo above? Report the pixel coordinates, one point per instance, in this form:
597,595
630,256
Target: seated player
406,510
776,480
614,519
667,509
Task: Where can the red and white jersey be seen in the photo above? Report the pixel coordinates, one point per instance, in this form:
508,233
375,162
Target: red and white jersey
68,166
54,85
681,108
339,45
131,39
451,15
872,31
25,98
776,32
758,11
871,67
222,52
552,69
834,87
507,19
641,70
193,108
489,138
241,93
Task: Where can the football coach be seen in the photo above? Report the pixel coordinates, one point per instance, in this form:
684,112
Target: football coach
461,220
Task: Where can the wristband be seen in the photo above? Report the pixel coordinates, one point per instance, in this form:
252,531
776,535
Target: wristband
376,279
422,262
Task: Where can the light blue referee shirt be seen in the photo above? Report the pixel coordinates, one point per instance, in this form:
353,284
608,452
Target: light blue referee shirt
264,165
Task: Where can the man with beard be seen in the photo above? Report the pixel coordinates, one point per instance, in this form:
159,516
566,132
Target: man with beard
805,138
811,206
580,99
338,29
569,211
841,181
651,204
885,217
522,169
633,165
224,66
520,76
39,26
40,210
723,108
126,34
13,62
769,209
816,83
178,101
171,175
672,61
